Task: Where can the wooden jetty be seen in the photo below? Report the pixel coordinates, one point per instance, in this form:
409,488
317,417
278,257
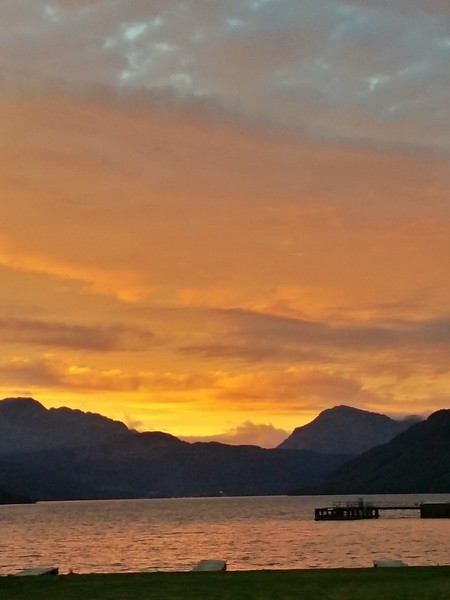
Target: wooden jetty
356,510
347,511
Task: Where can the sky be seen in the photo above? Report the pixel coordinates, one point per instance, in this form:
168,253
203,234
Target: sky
219,218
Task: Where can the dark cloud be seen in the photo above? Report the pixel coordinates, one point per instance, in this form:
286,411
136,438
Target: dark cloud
80,337
257,337
37,373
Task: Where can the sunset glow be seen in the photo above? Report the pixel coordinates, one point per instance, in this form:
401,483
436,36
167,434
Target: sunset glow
219,218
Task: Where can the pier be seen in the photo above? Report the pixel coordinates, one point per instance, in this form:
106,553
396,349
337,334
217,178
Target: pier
359,509
347,511
356,510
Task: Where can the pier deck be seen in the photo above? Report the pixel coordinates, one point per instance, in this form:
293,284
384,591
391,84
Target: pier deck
346,512
352,511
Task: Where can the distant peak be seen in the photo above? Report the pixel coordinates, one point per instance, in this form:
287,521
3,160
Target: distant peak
340,410
24,402
442,414
345,408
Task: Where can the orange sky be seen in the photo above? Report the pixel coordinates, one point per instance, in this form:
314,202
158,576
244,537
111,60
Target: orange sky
219,219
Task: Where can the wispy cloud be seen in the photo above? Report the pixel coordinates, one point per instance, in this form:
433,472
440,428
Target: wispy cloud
95,279
50,371
77,337
260,337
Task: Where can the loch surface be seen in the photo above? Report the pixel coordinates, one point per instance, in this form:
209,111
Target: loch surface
173,534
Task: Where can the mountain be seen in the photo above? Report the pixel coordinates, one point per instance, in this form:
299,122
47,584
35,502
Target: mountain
416,461
345,430
26,425
155,464
60,453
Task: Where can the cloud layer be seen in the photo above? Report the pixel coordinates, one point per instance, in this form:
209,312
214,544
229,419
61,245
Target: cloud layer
337,68
219,214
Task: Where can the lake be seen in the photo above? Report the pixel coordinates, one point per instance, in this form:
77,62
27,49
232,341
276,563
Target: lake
275,532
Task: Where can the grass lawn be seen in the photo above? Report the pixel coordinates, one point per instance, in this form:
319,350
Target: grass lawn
405,583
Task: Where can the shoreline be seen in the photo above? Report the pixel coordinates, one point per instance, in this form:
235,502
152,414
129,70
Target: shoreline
226,571
367,583
229,571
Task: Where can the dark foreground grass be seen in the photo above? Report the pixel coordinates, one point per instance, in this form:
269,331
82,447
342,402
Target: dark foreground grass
410,583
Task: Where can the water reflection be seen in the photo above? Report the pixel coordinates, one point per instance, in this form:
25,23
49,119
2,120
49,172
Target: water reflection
249,533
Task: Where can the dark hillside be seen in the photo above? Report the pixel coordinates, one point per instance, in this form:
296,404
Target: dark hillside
156,464
26,425
345,430
416,461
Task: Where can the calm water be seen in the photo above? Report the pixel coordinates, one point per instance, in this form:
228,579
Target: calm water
249,533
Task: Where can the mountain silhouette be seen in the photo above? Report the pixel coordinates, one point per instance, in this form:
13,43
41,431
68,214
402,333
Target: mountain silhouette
27,426
345,430
66,454
416,461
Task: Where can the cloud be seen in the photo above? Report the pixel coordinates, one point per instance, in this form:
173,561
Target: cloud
259,337
284,162
114,282
77,337
295,390
308,61
50,373
138,207
436,8
54,372
276,391
264,435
